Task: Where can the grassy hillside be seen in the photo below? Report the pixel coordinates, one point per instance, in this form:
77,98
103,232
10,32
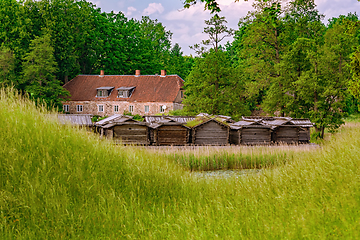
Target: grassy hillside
63,183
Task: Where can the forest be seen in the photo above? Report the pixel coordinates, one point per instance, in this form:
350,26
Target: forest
285,59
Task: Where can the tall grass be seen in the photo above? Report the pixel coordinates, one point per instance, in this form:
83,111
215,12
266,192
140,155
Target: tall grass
205,158
57,182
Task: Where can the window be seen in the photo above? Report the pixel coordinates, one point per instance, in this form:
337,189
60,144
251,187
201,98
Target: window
131,108
116,108
79,108
146,109
182,94
121,94
66,108
162,108
102,93
101,108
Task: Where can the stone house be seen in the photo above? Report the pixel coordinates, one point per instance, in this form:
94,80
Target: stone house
107,95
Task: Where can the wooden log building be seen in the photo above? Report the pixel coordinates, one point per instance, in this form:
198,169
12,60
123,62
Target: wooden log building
304,130
124,130
284,131
169,132
250,132
209,131
156,122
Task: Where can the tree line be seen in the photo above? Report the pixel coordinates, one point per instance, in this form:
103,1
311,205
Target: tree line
44,44
285,61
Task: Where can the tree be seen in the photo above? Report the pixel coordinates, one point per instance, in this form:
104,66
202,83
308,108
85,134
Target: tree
217,31
295,62
7,67
177,63
261,42
211,5
354,84
155,46
214,87
39,69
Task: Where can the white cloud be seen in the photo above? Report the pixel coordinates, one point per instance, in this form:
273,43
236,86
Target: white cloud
130,11
153,8
334,8
188,25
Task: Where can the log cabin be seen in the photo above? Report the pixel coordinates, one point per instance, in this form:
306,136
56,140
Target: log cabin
209,131
250,132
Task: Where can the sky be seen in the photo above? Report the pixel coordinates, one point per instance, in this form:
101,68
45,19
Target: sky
187,25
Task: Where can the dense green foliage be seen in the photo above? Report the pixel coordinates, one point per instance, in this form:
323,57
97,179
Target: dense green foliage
213,86
60,182
80,39
285,60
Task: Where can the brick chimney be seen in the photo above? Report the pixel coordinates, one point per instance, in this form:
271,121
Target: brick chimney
163,73
137,73
102,73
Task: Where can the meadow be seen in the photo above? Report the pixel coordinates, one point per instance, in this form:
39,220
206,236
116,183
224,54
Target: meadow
59,182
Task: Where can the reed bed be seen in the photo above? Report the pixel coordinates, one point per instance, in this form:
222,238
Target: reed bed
205,158
58,182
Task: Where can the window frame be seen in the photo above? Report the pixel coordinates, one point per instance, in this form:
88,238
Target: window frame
66,108
102,108
147,107
162,110
131,108
116,108
79,108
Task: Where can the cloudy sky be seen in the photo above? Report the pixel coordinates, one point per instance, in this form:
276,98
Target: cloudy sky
187,24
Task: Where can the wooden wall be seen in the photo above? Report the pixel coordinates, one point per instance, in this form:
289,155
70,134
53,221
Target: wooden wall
304,135
171,135
131,134
256,136
286,134
210,133
235,136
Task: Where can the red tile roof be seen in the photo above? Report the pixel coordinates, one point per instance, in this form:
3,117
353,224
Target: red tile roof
149,88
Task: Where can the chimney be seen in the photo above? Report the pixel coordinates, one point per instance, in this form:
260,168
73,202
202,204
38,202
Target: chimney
137,73
102,73
163,73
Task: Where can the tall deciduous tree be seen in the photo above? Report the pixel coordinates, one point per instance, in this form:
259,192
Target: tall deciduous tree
179,64
214,87
298,63
39,70
217,31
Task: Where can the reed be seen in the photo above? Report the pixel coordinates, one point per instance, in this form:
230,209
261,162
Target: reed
204,158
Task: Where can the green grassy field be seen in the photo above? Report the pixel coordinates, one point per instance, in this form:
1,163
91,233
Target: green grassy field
57,182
